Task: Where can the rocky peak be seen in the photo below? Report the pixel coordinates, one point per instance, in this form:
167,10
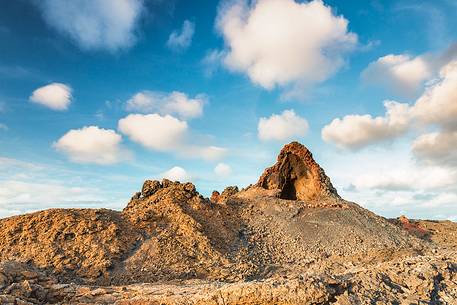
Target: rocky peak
150,187
228,192
165,190
297,175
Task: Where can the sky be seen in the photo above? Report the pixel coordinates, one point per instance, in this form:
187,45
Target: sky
97,96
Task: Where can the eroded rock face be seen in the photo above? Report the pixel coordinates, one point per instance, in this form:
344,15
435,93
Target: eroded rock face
297,175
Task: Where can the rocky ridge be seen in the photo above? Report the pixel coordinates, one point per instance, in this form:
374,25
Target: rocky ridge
289,239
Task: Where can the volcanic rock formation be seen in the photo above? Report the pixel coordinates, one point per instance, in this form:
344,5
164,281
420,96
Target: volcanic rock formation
297,175
289,239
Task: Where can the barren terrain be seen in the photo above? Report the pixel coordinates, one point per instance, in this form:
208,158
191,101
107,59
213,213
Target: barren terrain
288,239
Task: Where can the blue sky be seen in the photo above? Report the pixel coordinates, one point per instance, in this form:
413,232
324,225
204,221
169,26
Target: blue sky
97,96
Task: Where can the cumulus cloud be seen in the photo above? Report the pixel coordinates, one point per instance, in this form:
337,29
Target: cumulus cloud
437,147
357,131
281,127
180,41
402,74
176,174
92,145
174,103
166,134
283,42
222,170
161,133
436,106
94,24
438,103
55,96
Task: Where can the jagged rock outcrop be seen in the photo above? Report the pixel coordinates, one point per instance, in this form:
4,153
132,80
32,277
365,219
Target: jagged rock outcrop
228,192
215,196
290,239
297,175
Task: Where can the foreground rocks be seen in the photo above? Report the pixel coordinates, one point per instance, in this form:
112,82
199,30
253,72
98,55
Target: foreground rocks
289,239
414,280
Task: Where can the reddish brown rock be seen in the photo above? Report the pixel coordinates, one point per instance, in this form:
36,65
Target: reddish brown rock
412,227
297,175
215,196
228,192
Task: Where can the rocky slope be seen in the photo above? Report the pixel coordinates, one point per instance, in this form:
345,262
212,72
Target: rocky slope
289,239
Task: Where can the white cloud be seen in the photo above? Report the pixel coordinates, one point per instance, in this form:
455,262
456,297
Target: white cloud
166,134
92,145
222,170
406,177
211,62
438,103
400,73
3,127
174,103
94,24
181,41
55,96
17,197
20,192
208,153
437,147
357,131
283,42
9,163
26,187
392,183
161,133
436,106
281,127
176,174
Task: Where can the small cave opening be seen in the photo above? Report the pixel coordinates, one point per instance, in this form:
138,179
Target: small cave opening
288,191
